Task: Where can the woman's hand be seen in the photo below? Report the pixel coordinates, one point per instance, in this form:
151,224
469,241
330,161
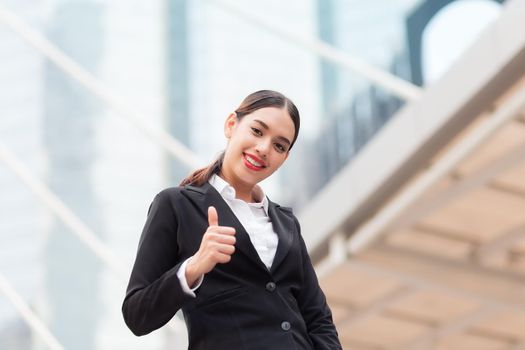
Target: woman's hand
217,246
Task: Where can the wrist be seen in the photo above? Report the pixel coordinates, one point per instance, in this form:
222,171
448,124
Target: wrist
192,272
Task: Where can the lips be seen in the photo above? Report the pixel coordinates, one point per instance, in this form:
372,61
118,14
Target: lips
253,162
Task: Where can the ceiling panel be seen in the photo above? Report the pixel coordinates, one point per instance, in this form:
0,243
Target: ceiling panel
482,215
513,179
429,243
382,332
346,285
510,325
467,341
509,137
432,307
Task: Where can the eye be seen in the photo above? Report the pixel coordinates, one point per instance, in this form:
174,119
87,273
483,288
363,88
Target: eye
280,147
257,131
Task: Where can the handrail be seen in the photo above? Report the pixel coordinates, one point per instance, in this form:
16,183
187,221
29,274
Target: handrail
68,217
397,86
31,319
57,206
97,88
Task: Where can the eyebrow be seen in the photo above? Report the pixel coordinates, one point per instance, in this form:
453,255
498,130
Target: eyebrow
282,138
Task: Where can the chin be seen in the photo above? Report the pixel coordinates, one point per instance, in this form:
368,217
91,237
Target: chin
252,179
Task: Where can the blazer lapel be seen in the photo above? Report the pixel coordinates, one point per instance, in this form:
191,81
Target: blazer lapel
206,196
283,224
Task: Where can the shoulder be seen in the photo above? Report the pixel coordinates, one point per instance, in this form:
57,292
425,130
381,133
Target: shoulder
179,195
166,196
176,191
170,192
169,201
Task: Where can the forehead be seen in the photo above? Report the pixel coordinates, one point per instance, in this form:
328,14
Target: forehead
277,119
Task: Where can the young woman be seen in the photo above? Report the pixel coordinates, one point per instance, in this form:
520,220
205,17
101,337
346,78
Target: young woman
232,259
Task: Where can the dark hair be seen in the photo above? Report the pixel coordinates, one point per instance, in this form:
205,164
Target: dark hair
253,102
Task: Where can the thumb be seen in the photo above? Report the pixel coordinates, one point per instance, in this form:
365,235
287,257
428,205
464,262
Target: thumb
213,218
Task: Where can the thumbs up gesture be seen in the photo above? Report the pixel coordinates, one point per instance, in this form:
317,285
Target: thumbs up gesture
217,246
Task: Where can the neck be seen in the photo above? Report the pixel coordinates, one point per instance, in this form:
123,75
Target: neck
243,191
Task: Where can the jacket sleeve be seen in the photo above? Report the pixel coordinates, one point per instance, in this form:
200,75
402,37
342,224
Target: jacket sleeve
313,306
154,292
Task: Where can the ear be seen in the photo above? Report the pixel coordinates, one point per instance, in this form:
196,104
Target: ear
230,124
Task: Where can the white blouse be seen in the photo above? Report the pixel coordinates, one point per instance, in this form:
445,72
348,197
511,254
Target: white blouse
255,220
253,217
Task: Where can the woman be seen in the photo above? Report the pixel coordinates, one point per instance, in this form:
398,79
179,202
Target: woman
233,260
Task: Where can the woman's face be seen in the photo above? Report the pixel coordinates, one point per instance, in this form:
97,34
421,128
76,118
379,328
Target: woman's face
258,144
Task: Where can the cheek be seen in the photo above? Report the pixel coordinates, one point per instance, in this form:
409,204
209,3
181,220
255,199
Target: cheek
241,140
279,160
235,144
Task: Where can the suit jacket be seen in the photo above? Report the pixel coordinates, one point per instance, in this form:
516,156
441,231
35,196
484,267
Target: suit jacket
241,304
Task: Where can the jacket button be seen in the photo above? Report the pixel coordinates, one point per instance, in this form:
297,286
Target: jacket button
270,286
285,326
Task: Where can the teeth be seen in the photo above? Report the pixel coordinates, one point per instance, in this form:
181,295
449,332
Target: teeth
253,162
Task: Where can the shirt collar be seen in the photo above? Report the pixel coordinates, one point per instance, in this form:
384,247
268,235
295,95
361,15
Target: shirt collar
228,192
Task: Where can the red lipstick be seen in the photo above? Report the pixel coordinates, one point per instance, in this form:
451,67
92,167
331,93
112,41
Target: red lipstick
254,159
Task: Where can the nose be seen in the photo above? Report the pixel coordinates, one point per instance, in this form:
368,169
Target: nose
262,148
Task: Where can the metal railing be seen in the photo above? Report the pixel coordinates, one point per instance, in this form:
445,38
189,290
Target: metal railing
397,86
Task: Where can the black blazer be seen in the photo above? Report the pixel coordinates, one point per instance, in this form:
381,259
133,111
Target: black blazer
241,304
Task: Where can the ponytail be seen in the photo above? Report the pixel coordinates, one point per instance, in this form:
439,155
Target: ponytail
200,176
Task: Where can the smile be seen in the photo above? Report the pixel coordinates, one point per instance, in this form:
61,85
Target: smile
252,163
